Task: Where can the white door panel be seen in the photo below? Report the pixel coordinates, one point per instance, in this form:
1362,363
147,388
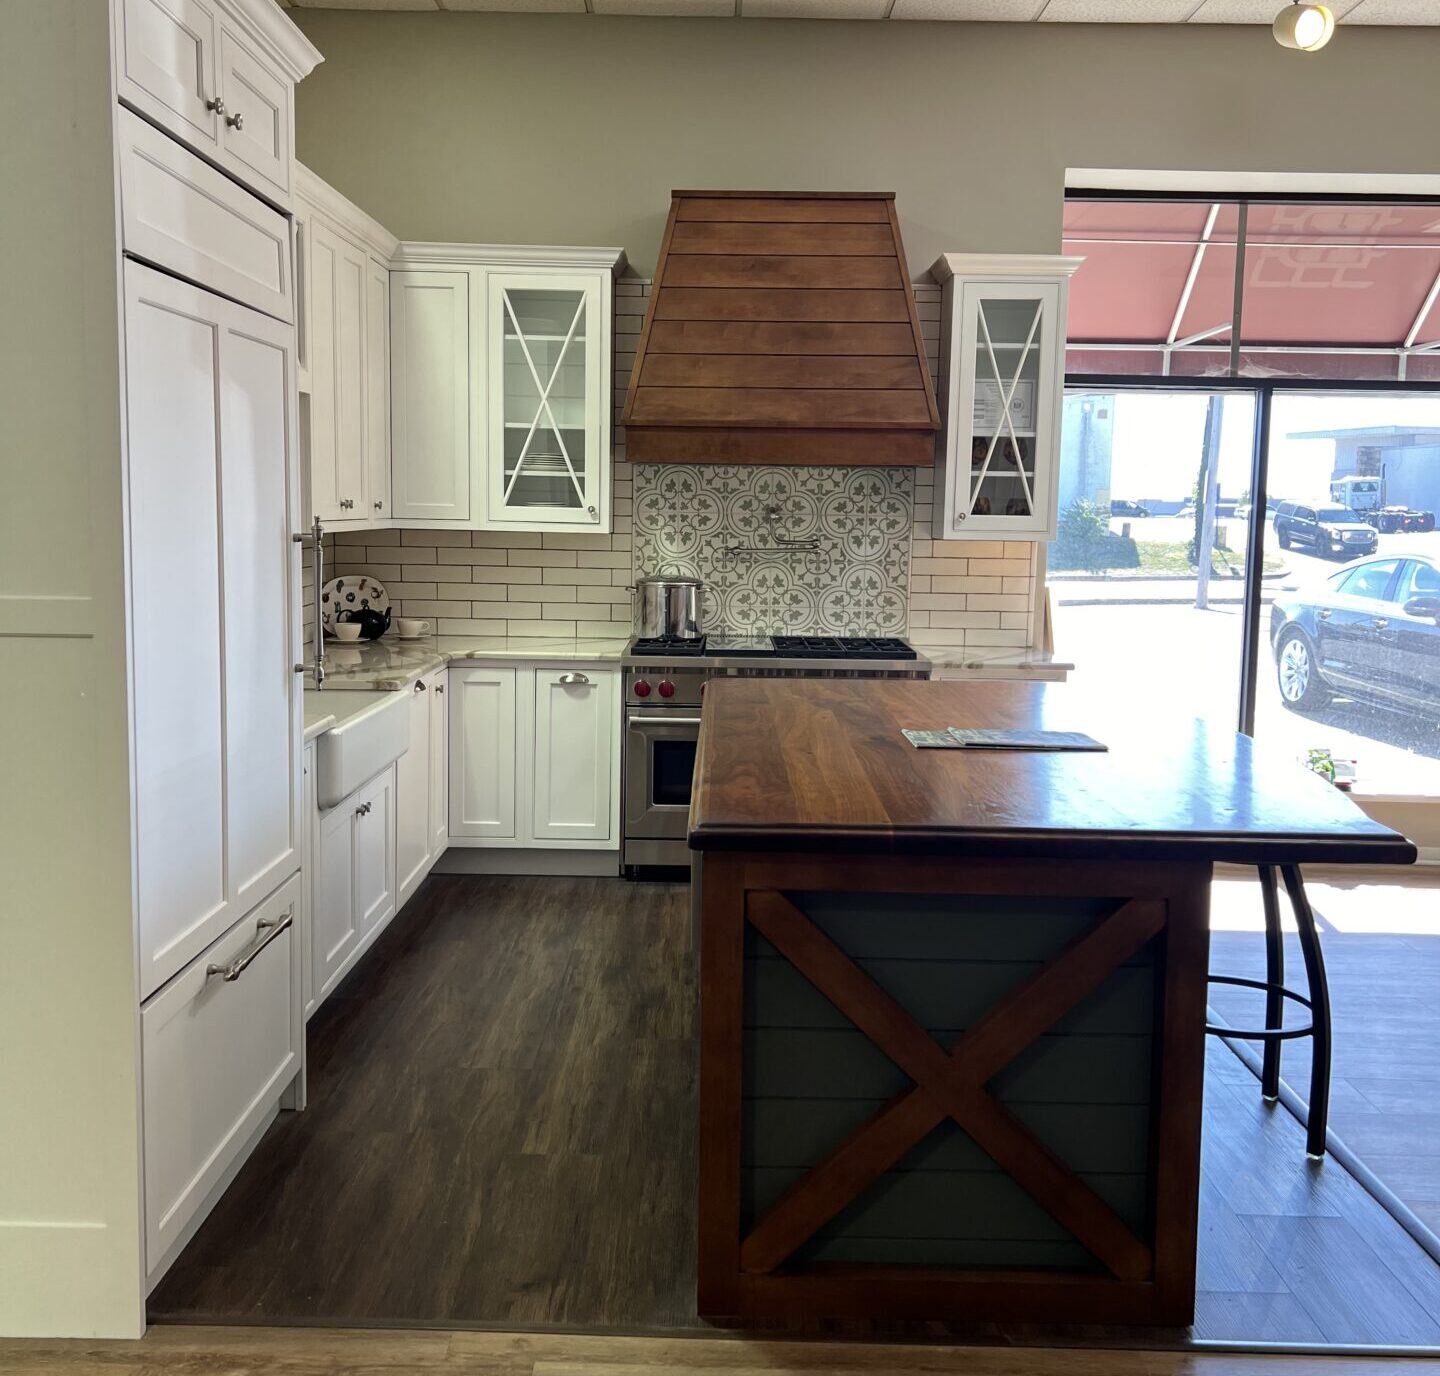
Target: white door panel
483,752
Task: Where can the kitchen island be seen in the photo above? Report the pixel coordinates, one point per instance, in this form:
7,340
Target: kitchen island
952,1002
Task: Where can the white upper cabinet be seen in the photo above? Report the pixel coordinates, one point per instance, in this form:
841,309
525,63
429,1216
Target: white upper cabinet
501,386
219,75
255,123
338,288
548,460
343,328
430,376
1003,372
216,710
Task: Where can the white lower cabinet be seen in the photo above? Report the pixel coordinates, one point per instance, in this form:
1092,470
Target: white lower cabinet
439,766
354,880
574,747
219,1044
412,795
534,757
483,752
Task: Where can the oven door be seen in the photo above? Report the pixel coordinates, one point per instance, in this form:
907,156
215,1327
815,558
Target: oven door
659,767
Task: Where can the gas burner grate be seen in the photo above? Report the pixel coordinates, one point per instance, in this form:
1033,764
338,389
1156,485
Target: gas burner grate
876,647
668,646
809,646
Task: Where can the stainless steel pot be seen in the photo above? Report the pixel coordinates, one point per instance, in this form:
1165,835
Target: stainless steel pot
668,605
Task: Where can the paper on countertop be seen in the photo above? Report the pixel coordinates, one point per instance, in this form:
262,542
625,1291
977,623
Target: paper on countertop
984,738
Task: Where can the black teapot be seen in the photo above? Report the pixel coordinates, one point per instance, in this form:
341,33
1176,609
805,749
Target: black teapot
372,624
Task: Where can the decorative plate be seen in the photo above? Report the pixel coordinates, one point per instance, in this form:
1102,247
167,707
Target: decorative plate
353,593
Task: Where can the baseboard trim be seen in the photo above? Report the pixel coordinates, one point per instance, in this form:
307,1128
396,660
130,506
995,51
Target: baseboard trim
582,863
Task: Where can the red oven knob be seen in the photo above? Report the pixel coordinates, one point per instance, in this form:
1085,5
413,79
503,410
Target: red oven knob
641,689
667,689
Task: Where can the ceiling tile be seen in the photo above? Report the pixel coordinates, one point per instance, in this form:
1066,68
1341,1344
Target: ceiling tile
1417,12
364,5
1236,12
1012,11
814,9
719,9
520,6
1118,11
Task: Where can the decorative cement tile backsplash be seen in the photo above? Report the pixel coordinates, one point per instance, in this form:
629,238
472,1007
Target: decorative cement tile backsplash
728,524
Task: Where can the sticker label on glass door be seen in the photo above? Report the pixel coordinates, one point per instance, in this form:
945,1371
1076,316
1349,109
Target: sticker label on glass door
988,400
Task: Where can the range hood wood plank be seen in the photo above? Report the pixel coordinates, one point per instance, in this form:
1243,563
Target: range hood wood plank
793,370
795,209
795,303
776,338
754,270
781,328
801,240
840,448
776,406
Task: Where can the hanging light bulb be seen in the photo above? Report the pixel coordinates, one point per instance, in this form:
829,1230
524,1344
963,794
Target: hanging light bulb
1304,26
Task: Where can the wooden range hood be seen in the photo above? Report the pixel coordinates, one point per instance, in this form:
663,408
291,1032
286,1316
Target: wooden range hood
781,329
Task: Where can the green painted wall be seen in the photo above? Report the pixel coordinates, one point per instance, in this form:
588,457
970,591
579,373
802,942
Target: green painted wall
574,129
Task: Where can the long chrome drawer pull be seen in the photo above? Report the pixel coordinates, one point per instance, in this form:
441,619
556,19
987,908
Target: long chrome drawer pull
663,721
266,930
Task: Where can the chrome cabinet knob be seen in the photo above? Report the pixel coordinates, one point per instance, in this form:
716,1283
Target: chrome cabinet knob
379,506
235,121
347,503
216,106
419,686
590,510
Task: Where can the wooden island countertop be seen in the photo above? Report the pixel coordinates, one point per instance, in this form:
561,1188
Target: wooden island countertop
953,1002
820,764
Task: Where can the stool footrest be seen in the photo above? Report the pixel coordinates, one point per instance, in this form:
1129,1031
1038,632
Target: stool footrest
1262,1034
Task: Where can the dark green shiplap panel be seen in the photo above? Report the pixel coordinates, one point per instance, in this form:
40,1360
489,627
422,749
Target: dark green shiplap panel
961,1204
810,1078
945,995
790,1063
1090,1137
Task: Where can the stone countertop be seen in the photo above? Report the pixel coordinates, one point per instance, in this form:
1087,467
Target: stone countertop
994,657
389,664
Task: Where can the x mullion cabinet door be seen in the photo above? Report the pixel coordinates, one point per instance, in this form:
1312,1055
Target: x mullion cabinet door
547,340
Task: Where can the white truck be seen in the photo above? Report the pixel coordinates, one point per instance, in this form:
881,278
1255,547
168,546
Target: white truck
1365,496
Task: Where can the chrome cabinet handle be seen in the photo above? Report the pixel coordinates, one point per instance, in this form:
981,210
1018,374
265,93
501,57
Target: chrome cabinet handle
266,930
363,809
439,687
235,121
216,106
419,686
347,504
574,679
592,512
379,506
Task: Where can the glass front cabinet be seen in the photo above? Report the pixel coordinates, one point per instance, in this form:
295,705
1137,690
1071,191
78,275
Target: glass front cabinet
522,440
1002,373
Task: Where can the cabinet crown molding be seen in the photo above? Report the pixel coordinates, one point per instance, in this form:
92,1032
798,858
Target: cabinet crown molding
1010,265
416,254
344,215
267,24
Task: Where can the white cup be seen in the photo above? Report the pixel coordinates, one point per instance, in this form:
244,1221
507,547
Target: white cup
411,627
347,630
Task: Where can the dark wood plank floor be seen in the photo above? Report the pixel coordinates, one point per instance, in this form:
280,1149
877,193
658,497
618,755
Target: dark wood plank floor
501,1133
1381,939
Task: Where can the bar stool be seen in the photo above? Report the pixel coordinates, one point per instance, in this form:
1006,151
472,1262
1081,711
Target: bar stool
1274,1034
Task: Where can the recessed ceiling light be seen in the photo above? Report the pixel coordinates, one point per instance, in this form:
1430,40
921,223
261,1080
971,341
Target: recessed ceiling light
1304,26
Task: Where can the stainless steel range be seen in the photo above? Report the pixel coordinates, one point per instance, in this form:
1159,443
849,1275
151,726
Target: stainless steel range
664,687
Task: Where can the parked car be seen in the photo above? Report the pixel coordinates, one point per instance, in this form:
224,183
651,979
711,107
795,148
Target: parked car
1371,630
1331,531
1132,509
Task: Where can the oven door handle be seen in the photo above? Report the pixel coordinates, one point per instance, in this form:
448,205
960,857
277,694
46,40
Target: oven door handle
662,721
